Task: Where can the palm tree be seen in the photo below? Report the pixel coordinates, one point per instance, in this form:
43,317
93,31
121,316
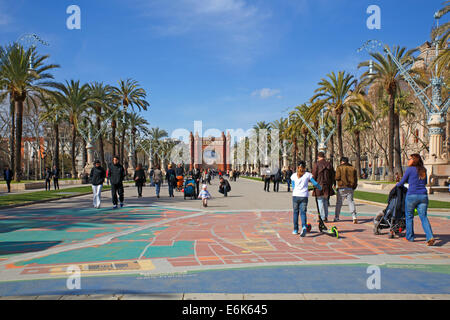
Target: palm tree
53,115
281,126
442,31
131,94
297,127
137,124
387,76
103,93
335,91
20,72
74,99
156,134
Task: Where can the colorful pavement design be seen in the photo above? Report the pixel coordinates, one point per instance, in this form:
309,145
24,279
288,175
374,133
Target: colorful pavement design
155,240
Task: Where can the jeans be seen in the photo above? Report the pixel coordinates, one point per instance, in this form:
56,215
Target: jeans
139,190
288,185
47,185
348,194
323,207
419,201
170,190
8,184
56,183
158,187
302,204
97,191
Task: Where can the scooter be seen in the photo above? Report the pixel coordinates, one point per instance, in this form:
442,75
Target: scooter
323,228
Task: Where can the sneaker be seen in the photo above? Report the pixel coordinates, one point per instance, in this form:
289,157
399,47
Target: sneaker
121,205
115,206
355,221
336,219
295,232
430,242
325,220
303,232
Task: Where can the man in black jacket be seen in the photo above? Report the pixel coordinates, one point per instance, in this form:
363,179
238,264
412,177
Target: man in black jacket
55,174
8,174
97,176
48,177
224,186
116,176
196,175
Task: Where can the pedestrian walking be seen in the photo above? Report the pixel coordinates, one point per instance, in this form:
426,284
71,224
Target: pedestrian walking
97,176
55,174
276,180
324,174
224,186
150,174
347,181
157,179
171,180
288,175
8,175
196,175
416,197
266,175
208,177
300,193
48,178
116,177
140,179
204,195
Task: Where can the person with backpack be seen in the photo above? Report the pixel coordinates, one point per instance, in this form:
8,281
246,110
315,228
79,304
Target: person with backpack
323,173
347,181
116,176
48,178
171,180
157,179
97,176
224,186
276,180
140,179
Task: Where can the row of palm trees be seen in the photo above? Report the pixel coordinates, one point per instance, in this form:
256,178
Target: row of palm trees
25,78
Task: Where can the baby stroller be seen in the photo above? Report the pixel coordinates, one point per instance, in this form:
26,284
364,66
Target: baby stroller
189,188
180,181
393,217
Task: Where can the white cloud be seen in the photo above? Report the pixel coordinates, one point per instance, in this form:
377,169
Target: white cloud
266,93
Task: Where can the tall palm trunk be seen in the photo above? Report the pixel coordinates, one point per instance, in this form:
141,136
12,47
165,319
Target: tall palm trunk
56,152
72,151
310,156
397,146
332,150
122,145
12,112
391,135
358,152
339,134
113,136
19,126
305,145
295,151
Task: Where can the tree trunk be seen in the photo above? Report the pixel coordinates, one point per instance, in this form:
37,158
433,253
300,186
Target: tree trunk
397,146
295,152
12,112
72,152
113,137
122,146
305,145
18,149
83,153
316,149
56,152
358,153
332,150
391,135
339,135
310,157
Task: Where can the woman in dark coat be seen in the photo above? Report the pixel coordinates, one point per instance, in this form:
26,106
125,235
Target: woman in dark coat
139,178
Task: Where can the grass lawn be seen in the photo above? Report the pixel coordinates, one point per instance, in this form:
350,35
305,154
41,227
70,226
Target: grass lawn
12,199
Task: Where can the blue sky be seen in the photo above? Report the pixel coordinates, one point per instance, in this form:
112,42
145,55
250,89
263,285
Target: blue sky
229,63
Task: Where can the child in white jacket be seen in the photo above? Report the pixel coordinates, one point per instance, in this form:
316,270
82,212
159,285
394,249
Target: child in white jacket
204,195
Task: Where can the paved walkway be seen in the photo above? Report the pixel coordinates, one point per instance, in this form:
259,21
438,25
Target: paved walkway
238,245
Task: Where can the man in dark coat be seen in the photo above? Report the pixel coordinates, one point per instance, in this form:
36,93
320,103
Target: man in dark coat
287,178
196,175
276,180
116,176
8,175
48,177
224,186
55,174
324,174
